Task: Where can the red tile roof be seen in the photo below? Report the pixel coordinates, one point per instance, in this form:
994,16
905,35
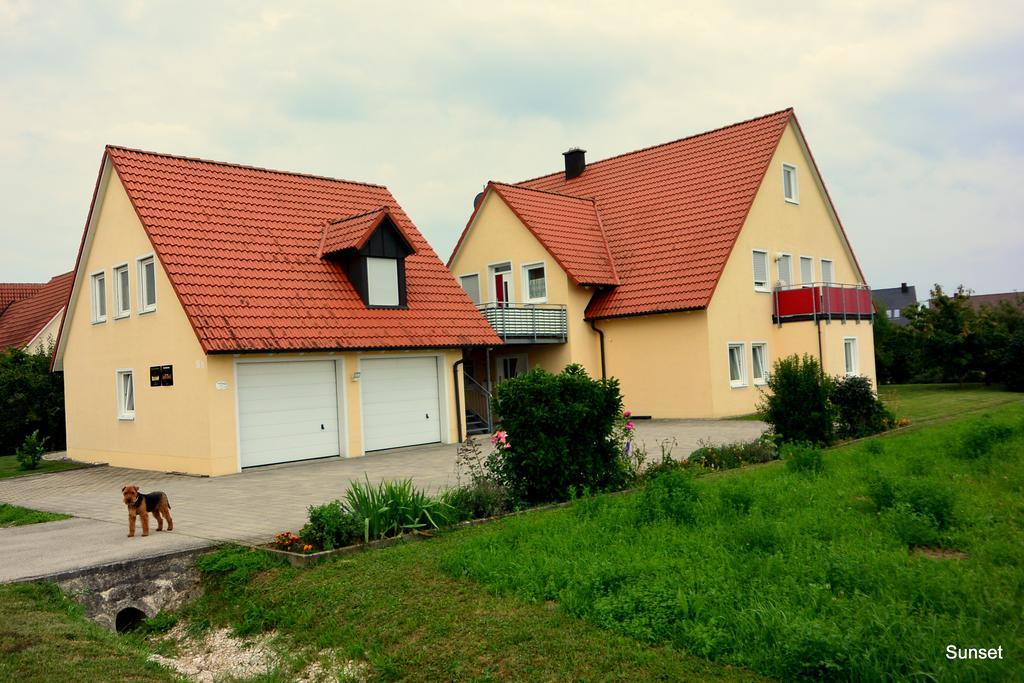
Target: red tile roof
569,228
24,319
353,231
240,246
672,212
16,291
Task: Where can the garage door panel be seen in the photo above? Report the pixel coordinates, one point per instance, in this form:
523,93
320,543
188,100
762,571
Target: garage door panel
400,402
287,411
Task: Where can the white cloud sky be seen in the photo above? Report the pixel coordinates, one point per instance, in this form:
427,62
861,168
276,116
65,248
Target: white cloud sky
914,111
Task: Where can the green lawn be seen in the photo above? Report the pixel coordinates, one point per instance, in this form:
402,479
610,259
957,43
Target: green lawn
924,402
792,574
9,467
44,637
12,515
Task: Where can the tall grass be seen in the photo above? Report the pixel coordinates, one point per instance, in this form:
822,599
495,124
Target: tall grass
798,576
394,507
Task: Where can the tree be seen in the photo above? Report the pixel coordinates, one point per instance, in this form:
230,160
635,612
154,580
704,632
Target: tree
946,335
31,399
896,357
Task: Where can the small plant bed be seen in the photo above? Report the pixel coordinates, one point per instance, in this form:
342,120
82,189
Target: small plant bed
12,515
9,467
860,562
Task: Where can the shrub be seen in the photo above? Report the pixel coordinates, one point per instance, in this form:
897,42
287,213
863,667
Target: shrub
929,499
559,434
392,508
733,455
672,496
30,452
803,457
796,405
31,399
981,438
331,526
480,499
858,410
881,491
910,527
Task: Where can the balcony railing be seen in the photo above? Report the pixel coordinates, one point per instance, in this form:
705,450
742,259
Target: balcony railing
822,301
527,323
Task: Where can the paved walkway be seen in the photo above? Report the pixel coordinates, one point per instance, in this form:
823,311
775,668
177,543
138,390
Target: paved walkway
249,507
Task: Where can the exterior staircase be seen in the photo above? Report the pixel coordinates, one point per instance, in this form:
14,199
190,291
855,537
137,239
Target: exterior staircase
475,424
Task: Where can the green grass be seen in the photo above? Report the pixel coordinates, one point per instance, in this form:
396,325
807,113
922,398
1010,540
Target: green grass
926,402
9,467
12,515
44,637
791,573
397,610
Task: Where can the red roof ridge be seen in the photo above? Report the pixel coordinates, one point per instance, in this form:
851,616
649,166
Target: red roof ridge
666,144
242,166
361,214
516,186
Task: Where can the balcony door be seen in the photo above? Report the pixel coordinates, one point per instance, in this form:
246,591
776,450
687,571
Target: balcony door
511,366
501,282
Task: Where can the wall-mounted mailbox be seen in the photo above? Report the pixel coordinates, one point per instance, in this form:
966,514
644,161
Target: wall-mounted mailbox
167,375
154,376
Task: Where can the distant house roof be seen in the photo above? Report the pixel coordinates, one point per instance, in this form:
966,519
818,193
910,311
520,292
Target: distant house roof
979,300
241,247
896,297
16,291
24,319
669,214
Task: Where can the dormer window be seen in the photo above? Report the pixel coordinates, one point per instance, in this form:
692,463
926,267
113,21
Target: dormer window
382,281
371,248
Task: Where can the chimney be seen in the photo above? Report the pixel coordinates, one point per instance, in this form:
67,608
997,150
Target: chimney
575,162
903,287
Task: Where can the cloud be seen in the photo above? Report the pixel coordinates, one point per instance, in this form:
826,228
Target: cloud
914,110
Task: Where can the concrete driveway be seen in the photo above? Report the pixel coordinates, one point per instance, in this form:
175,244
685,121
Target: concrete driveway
249,507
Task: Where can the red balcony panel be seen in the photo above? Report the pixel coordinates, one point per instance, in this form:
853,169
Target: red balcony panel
831,301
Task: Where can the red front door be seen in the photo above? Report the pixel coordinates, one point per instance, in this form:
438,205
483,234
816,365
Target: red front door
501,287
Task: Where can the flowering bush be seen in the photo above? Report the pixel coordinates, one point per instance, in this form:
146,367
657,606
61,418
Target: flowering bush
558,432
286,540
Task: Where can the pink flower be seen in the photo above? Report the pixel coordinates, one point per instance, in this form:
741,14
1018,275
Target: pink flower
630,426
507,446
500,435
627,413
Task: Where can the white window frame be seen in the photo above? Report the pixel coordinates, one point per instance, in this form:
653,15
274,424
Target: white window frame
895,312
492,270
766,287
795,197
375,296
123,412
97,294
742,355
809,259
778,268
125,310
526,268
763,379
854,356
479,293
832,277
143,289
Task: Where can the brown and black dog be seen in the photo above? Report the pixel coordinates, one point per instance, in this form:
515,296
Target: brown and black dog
144,503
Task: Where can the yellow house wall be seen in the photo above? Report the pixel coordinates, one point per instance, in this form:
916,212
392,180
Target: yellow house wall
498,236
661,362
739,314
171,428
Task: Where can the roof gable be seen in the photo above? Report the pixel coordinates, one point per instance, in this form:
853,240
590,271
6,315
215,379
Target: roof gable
240,246
24,319
356,232
671,213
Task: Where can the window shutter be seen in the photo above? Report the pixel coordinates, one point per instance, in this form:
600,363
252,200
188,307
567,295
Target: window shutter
760,269
826,271
806,270
785,269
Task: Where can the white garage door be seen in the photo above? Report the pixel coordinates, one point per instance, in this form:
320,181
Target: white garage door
400,402
287,411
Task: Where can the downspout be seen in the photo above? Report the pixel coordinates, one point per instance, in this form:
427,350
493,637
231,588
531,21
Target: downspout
600,334
458,403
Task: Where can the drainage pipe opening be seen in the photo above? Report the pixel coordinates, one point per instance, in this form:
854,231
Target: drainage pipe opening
129,619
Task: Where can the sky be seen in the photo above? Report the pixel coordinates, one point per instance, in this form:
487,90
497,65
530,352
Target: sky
914,111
